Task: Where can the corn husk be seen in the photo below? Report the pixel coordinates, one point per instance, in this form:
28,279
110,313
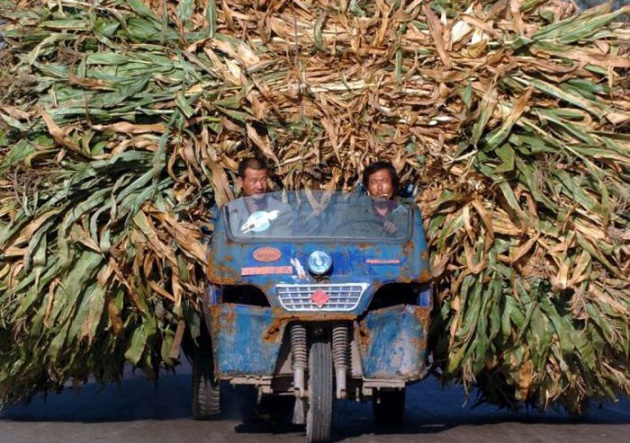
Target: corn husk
123,121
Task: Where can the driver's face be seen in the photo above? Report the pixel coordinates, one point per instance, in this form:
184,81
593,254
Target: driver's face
254,184
380,185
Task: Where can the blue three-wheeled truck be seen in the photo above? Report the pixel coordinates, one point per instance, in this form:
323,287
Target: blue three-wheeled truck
312,297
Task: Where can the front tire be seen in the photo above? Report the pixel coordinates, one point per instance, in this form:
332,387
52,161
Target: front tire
206,398
320,393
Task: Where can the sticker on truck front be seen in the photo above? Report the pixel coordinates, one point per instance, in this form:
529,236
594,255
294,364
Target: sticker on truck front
382,261
259,221
267,254
267,270
298,267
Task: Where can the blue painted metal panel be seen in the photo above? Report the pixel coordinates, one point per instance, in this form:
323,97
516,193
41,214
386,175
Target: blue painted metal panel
234,263
424,298
246,339
393,343
392,340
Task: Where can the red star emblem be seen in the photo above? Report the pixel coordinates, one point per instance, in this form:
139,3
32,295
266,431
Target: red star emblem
320,298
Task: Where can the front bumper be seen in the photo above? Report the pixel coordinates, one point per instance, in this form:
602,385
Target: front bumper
248,340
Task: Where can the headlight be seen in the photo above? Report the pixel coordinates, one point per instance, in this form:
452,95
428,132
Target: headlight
319,262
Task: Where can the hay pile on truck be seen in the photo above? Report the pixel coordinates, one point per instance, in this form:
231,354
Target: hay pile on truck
121,122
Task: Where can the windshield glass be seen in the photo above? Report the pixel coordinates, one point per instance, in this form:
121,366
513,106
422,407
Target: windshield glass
317,214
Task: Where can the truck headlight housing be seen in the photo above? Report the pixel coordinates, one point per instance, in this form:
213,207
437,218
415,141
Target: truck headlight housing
319,262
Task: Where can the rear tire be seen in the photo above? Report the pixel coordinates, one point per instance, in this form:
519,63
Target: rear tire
320,393
389,408
206,398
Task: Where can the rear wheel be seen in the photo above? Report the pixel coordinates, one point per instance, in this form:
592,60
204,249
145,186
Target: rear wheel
320,393
389,408
206,398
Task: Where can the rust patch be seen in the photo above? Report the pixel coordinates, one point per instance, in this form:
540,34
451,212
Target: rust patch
423,315
418,343
408,248
425,276
363,336
281,318
214,326
230,317
224,322
425,255
312,316
220,272
272,334
324,317
225,280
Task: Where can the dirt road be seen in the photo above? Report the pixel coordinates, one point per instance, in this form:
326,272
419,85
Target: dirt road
139,411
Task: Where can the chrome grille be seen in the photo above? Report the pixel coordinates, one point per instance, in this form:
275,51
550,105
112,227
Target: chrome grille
343,297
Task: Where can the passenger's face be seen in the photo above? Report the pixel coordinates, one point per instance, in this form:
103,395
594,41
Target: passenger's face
254,184
380,185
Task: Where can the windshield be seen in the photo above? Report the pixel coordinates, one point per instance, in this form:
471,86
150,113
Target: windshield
317,214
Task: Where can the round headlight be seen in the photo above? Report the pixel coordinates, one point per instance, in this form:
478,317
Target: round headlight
319,262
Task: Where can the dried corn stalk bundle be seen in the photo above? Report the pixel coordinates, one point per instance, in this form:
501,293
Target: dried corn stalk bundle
123,120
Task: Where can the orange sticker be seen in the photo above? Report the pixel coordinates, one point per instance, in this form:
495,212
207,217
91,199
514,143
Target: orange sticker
267,254
266,270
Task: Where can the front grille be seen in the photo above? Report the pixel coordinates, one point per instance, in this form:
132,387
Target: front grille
343,297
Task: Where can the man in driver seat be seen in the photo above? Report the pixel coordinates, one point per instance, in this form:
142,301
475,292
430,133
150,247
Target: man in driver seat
257,213
380,180
377,214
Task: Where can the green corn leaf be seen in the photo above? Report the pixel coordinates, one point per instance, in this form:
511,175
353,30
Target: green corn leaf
587,28
451,228
142,9
184,106
494,305
95,200
89,315
317,31
577,26
73,285
184,11
577,193
507,155
211,17
486,106
47,45
137,346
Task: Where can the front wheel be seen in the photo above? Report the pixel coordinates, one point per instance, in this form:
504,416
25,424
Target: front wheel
320,393
389,408
206,398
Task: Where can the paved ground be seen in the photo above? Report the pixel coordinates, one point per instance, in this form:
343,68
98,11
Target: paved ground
140,411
